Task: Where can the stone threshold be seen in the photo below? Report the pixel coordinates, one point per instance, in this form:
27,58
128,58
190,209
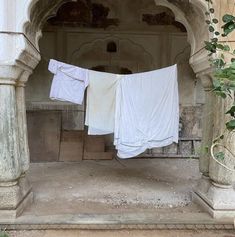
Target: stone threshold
134,221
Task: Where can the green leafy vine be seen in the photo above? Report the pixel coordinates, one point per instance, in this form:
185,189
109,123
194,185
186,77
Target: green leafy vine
222,58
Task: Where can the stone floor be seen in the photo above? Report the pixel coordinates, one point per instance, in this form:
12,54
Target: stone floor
129,194
103,187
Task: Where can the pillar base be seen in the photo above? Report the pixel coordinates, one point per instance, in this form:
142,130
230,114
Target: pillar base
217,200
14,199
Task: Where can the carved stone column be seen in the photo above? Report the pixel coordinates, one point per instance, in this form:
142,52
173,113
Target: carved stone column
22,123
17,60
10,168
221,194
207,128
214,191
15,192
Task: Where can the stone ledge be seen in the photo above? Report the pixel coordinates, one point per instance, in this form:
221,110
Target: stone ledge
139,221
14,213
195,226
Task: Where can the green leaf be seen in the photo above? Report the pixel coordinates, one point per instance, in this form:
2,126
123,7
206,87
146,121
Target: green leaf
221,137
210,47
219,63
216,83
232,65
3,234
220,46
221,94
214,40
211,29
219,156
212,10
228,28
226,48
232,60
227,18
231,111
231,125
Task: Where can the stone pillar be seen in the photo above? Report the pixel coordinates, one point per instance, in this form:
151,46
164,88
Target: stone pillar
207,127
21,116
10,168
15,191
214,191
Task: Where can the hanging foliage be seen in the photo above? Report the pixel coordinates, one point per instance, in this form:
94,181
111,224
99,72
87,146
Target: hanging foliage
219,50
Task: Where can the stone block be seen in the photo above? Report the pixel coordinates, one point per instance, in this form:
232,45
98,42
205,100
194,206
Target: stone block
98,155
72,136
191,117
186,148
197,147
171,149
72,120
95,144
157,150
218,200
44,130
71,151
14,199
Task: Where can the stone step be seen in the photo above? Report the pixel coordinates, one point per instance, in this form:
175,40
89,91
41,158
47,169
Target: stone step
123,233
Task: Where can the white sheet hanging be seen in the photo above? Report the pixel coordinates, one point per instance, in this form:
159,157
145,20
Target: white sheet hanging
69,82
101,100
147,111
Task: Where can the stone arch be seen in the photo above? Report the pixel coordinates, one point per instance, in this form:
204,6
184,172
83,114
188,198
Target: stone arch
34,22
134,50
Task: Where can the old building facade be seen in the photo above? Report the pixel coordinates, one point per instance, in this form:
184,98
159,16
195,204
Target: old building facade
114,37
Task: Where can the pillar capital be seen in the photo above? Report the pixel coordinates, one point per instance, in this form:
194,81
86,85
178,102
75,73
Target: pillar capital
200,62
17,54
206,78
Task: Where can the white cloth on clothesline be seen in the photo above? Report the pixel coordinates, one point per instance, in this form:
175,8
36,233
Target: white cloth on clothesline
147,111
101,100
69,82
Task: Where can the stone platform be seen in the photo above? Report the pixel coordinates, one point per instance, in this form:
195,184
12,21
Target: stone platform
110,195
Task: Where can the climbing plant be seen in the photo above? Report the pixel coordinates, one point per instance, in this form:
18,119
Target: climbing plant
3,234
222,58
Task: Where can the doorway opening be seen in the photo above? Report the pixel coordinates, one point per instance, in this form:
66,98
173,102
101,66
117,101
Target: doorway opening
100,36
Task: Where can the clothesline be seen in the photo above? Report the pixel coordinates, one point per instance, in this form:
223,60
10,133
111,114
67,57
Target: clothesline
46,58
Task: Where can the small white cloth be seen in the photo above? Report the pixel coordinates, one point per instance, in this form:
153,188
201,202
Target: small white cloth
101,100
147,111
69,82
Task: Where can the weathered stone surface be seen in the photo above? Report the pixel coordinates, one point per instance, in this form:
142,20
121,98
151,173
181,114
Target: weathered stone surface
12,196
22,124
218,200
172,149
10,166
124,233
98,155
157,150
186,147
94,143
44,130
71,146
72,120
192,121
198,149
